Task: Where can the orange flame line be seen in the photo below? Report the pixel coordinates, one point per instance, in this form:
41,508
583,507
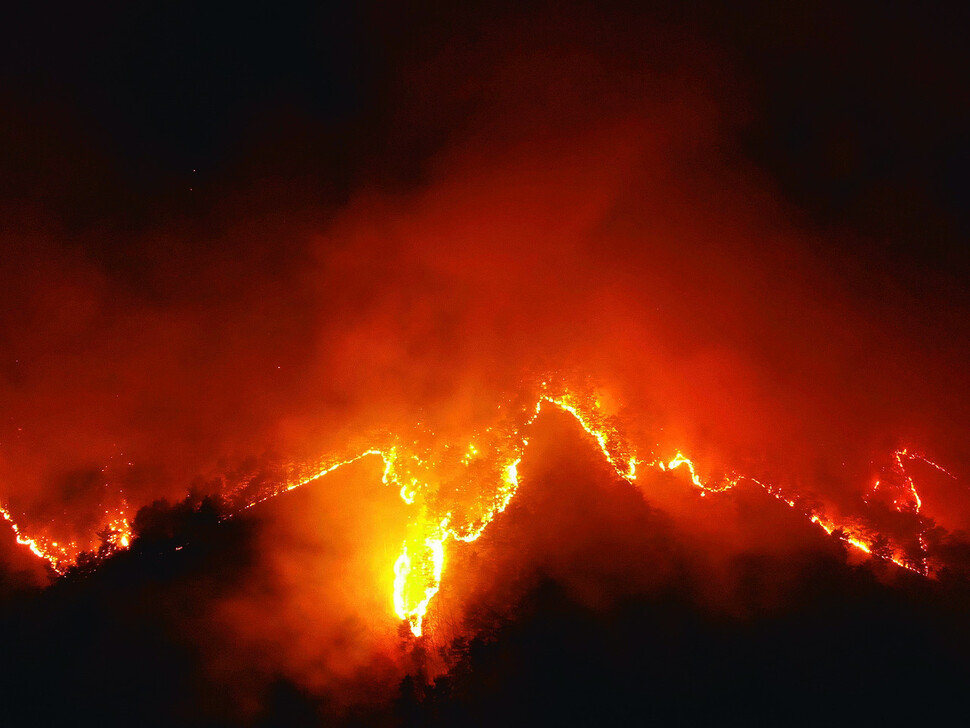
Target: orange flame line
419,569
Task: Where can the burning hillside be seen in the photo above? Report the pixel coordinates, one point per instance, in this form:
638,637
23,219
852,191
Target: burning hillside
340,347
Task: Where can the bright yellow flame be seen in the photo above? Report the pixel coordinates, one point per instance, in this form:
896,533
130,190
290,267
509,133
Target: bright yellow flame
494,456
418,570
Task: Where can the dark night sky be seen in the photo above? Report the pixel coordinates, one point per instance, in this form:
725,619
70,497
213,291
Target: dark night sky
856,110
185,192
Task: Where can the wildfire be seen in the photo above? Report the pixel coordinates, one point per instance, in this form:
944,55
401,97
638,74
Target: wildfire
116,534
456,491
38,547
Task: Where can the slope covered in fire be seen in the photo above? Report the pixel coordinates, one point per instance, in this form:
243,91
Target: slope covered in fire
588,599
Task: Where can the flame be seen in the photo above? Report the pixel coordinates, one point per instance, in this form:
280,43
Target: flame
37,547
116,534
418,570
456,491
